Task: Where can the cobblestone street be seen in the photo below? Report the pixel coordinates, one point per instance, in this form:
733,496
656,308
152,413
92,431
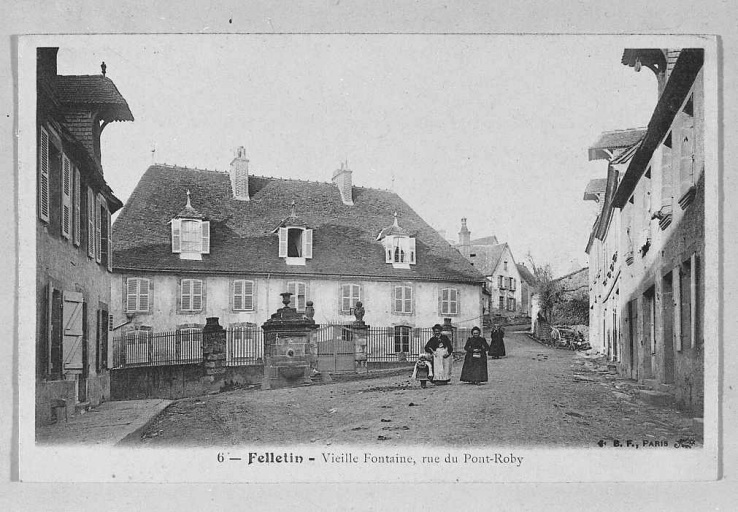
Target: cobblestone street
536,396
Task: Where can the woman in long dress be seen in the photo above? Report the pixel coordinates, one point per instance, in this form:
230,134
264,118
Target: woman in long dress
475,361
497,342
440,348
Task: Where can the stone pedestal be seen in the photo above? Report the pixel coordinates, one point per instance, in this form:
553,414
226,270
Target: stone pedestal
213,355
289,347
360,333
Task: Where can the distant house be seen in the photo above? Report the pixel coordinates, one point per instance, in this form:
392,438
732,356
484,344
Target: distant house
647,245
195,243
495,261
73,236
527,289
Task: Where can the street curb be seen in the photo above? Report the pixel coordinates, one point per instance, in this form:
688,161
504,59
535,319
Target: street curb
135,436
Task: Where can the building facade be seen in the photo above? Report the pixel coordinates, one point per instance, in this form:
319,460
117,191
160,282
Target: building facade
192,244
656,236
73,236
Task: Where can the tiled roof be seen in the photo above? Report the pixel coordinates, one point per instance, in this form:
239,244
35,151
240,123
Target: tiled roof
487,257
595,189
627,154
95,90
487,240
526,274
241,232
615,140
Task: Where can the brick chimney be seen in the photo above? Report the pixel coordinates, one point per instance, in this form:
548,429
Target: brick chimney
464,239
342,179
240,175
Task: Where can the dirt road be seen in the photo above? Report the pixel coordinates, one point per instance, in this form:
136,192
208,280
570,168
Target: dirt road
535,396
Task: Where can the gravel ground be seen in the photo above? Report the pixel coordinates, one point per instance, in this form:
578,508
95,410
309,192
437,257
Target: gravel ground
535,396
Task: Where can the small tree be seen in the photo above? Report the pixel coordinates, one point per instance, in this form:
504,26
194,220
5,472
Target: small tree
549,291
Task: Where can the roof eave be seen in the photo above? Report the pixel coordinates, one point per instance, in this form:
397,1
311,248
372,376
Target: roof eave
680,82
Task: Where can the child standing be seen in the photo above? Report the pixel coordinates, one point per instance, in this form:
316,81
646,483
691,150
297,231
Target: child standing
423,369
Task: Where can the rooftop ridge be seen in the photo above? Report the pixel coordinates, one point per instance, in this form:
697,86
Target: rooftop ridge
185,168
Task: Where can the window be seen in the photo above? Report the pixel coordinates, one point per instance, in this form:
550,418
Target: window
505,266
243,295
102,340
510,304
512,283
66,200
295,244
502,302
43,176
98,228
400,251
350,295
138,295
103,233
190,238
449,299
191,296
501,282
109,229
402,338
403,299
299,294
77,200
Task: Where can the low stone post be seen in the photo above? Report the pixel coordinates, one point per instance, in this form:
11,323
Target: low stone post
360,333
213,355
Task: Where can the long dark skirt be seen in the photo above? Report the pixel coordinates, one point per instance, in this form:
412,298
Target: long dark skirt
474,369
497,347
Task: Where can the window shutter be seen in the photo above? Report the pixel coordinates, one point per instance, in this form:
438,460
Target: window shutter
396,299
176,235
238,294
186,294
499,281
131,294
248,295
308,241
110,241
412,251
144,300
205,237
90,223
453,297
66,196
686,169
43,194
77,203
388,250
408,300
282,242
441,292
197,295
98,230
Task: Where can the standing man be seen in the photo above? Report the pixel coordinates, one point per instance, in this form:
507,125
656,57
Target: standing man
440,348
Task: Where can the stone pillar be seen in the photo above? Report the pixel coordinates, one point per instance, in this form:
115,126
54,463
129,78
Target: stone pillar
448,330
213,355
360,334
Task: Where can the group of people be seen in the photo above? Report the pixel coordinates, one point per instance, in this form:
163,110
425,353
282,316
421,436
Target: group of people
435,363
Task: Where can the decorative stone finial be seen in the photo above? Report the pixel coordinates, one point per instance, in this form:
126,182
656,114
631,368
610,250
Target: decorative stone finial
359,311
188,199
292,206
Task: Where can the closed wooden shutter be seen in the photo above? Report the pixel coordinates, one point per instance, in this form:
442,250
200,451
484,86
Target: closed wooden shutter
144,294
176,236
43,182
90,223
98,230
110,240
308,249
66,212
186,294
205,237
131,294
77,206
238,295
282,242
196,295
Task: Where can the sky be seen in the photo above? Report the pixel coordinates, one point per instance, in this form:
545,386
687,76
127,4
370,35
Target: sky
491,128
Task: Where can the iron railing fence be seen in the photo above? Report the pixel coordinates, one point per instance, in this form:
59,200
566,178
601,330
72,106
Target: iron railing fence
245,345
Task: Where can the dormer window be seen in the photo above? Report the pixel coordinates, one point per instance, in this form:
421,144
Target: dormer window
399,246
190,233
295,240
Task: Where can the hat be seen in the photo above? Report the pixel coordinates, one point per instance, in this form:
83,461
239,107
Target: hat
437,326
